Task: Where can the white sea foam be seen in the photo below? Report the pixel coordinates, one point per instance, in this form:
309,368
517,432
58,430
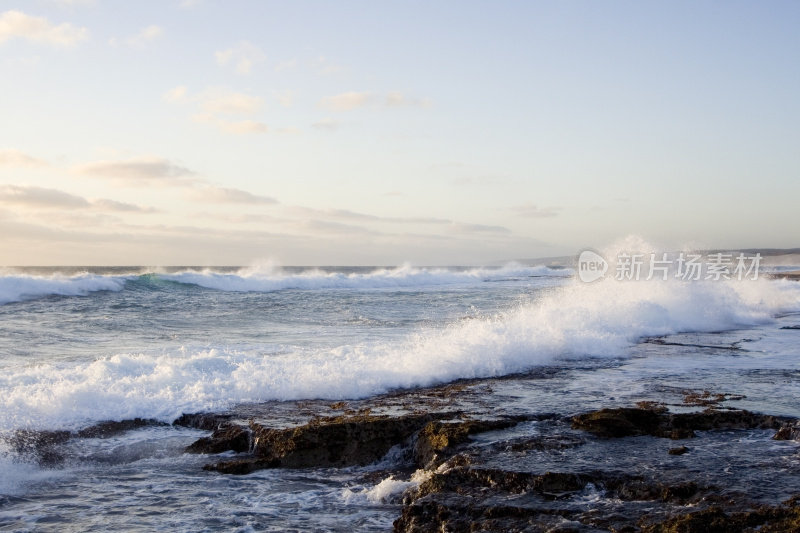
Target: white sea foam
20,287
578,320
15,288
405,276
388,490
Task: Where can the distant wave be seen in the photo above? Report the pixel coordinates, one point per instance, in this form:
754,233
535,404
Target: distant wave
15,288
21,287
602,319
255,280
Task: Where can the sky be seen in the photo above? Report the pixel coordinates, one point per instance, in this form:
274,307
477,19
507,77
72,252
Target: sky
197,132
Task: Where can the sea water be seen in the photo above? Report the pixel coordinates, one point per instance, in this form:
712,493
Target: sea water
83,345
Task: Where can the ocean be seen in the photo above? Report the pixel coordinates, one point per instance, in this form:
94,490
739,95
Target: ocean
80,346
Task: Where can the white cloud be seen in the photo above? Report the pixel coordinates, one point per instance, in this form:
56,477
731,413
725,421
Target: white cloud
325,67
145,36
121,207
39,30
346,101
242,57
140,40
15,158
225,195
176,94
243,127
218,101
398,99
55,199
141,171
39,197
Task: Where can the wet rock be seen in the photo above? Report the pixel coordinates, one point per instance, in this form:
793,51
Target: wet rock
112,428
342,441
783,518
204,421
789,431
631,421
325,442
452,514
228,437
680,450
620,422
437,440
708,399
45,446
465,494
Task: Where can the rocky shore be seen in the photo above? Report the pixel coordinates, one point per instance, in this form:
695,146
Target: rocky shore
696,465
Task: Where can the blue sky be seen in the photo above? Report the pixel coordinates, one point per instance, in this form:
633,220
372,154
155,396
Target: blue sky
200,132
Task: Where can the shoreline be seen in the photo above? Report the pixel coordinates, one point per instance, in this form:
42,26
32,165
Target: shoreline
681,463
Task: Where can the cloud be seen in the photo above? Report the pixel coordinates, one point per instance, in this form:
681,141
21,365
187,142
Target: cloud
121,207
534,211
176,94
218,101
41,197
325,67
214,105
15,158
328,124
398,99
224,195
353,100
145,36
141,171
243,127
346,101
243,57
39,30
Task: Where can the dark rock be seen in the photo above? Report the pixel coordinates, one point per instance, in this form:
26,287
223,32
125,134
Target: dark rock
45,446
112,428
342,441
42,446
628,421
453,514
764,519
620,422
708,399
680,450
438,439
229,437
204,421
325,442
464,495
790,431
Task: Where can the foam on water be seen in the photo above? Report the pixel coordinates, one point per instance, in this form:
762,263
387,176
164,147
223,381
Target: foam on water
15,288
577,320
405,276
